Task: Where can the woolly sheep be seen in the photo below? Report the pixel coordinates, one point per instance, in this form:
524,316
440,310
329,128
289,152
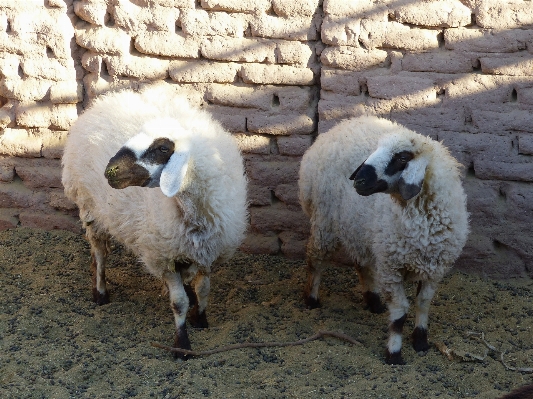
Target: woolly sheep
413,232
125,144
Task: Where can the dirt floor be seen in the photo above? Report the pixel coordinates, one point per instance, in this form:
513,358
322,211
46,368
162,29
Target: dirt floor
56,343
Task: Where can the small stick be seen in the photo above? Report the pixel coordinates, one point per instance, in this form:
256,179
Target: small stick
521,369
481,337
314,337
441,346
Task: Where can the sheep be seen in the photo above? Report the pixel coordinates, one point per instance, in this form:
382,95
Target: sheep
413,231
123,147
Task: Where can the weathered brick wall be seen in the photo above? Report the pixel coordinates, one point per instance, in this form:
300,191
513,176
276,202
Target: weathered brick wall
276,73
40,89
460,72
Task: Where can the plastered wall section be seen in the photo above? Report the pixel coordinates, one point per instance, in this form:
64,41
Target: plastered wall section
462,73
276,73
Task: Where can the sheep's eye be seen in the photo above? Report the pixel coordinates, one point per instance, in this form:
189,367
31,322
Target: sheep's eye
403,159
163,149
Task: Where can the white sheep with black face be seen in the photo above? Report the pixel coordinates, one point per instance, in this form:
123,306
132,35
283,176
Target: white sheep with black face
118,152
406,219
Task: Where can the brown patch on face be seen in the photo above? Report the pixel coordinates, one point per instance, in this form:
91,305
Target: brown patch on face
159,151
122,170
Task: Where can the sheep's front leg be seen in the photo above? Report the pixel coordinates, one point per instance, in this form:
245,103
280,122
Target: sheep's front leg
179,302
423,300
370,292
398,306
314,274
99,252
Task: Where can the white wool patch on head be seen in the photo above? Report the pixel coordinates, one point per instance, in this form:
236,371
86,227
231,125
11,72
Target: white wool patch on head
379,158
154,129
163,127
139,143
395,143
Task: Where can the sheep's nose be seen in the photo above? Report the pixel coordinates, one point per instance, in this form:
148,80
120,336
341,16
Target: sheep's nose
360,181
111,171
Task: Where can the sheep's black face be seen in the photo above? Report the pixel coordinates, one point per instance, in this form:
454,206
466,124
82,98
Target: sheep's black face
123,171
137,167
383,176
366,181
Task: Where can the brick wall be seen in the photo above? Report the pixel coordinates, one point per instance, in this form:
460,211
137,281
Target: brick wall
277,73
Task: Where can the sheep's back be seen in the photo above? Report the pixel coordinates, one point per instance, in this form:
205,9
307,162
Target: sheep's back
327,194
143,218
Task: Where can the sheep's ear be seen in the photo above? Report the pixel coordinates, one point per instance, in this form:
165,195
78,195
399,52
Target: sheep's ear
412,178
173,173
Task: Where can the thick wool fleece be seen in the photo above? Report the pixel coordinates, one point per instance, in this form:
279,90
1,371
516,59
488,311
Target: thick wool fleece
204,222
420,238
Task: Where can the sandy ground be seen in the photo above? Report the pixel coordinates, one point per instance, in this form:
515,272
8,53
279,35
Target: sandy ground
56,343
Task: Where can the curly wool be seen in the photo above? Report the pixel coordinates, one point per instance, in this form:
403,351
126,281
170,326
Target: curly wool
204,222
423,236
409,223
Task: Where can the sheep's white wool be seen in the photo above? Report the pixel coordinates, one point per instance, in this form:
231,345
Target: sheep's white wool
197,216
205,221
139,143
390,237
379,225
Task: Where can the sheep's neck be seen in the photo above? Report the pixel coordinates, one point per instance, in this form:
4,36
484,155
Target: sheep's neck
196,209
398,199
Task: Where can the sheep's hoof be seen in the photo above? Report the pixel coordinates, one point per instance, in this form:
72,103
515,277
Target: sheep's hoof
394,358
100,298
197,319
420,339
311,303
373,302
181,341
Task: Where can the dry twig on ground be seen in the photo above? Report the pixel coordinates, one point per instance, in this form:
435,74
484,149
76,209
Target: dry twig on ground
481,337
449,353
314,337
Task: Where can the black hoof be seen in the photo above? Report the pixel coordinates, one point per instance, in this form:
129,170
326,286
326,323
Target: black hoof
394,358
311,303
198,320
181,341
420,339
373,302
99,298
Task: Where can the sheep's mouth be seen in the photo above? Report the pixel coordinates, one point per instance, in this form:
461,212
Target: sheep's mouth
133,175
366,181
380,187
120,183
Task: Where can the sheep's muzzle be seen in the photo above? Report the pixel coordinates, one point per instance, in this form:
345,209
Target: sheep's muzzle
123,170
366,181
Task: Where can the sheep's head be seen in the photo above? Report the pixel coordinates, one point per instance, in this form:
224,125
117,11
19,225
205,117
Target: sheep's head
397,166
149,160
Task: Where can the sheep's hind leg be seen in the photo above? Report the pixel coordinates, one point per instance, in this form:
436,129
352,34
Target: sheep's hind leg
370,294
179,302
398,306
197,285
426,291
99,252
197,316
